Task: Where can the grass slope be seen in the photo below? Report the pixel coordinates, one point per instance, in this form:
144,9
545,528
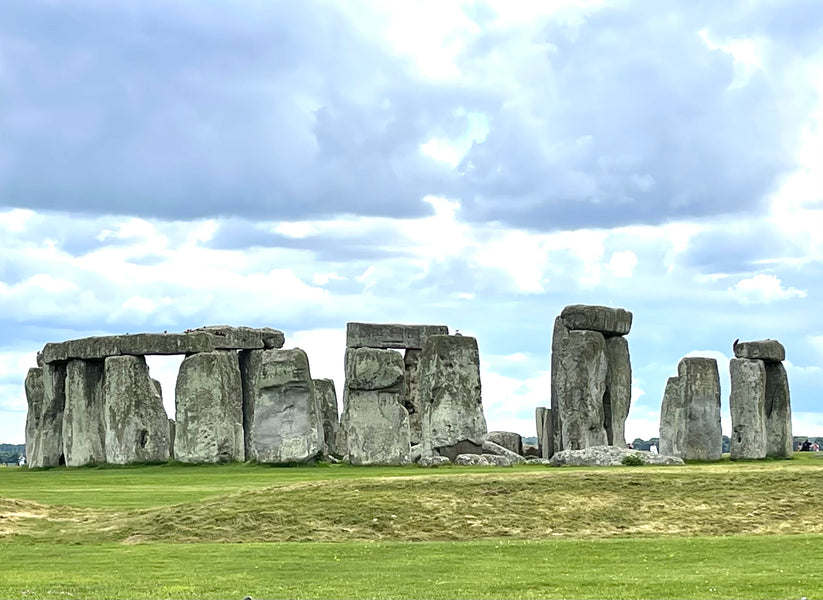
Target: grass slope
716,530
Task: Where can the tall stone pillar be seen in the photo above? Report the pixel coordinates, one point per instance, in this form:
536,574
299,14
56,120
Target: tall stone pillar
282,418
327,397
34,399
450,394
137,427
747,404
50,424
209,409
84,427
374,428
545,434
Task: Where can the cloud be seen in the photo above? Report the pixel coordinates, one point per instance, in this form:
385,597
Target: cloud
763,288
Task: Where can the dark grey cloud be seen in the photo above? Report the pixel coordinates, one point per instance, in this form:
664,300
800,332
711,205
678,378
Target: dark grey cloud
187,110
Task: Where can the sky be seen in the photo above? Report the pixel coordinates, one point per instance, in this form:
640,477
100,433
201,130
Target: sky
171,164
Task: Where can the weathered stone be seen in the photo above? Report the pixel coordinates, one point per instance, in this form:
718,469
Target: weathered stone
172,436
450,395
374,428
209,403
433,461
493,448
581,385
281,415
368,369
672,418
242,338
84,427
40,360
497,460
137,427
778,412
411,362
606,320
747,404
531,450
690,414
390,335
608,456
507,439
770,350
98,347
545,431
272,338
327,397
535,460
142,344
560,336
34,400
618,396
49,428
471,460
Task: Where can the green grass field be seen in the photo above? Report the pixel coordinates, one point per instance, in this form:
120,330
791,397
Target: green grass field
725,530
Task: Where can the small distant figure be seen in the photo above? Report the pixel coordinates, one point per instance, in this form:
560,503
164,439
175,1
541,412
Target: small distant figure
815,447
629,446
457,332
806,446
653,448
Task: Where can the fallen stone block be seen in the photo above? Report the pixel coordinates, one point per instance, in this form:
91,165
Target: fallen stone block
491,448
507,439
608,456
433,461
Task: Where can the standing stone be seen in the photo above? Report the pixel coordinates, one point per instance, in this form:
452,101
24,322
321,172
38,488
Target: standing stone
209,404
137,427
282,419
34,399
50,424
747,404
560,337
412,398
778,412
327,397
172,436
545,434
84,427
581,385
618,396
374,428
690,415
450,394
513,442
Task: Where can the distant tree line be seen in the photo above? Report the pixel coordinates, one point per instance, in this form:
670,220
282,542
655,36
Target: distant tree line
11,453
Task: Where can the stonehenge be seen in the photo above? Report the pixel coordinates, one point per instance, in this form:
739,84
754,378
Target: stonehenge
590,380
760,401
690,413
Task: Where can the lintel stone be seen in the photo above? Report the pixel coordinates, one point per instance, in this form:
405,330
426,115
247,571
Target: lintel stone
606,320
770,350
390,335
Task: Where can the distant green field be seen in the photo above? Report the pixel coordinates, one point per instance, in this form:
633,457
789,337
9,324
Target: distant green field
725,530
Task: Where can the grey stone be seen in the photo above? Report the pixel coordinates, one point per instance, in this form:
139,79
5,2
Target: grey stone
531,450
496,460
34,400
770,350
690,414
84,428
142,344
172,436
672,417
411,360
209,404
608,456
327,397
606,320
545,431
581,384
747,404
49,428
507,439
618,396
450,394
471,460
367,369
137,427
560,337
538,461
40,360
98,347
778,412
433,461
495,449
374,428
282,418
242,338
416,453
390,335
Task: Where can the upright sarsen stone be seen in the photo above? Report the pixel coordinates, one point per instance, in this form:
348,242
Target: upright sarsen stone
34,400
778,412
690,415
450,394
545,434
282,418
84,423
209,409
618,396
747,404
137,427
50,424
581,385
327,397
374,428
411,360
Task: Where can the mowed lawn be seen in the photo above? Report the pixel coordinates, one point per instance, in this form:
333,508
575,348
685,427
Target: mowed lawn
726,530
